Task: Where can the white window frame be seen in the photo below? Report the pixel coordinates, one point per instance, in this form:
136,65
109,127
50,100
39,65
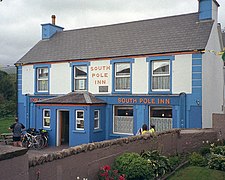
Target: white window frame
160,121
97,119
42,79
46,118
122,76
116,132
160,75
79,119
82,79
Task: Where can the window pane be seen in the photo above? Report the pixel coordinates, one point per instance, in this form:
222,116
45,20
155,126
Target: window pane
122,69
80,124
161,117
123,83
42,85
80,71
47,113
46,118
80,84
46,121
96,124
160,67
123,119
96,114
80,114
124,111
161,82
42,73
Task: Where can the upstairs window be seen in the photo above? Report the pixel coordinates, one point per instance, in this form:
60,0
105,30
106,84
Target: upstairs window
161,75
42,79
80,78
122,76
46,118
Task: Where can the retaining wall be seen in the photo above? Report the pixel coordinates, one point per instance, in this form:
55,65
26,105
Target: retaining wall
84,161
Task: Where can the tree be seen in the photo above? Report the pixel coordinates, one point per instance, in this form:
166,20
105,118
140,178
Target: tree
7,94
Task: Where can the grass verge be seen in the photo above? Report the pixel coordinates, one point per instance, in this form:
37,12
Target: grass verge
5,123
198,173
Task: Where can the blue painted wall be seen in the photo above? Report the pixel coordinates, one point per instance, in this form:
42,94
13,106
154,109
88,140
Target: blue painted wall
205,9
48,30
195,99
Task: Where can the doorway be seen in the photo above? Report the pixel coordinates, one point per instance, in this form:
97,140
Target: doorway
62,127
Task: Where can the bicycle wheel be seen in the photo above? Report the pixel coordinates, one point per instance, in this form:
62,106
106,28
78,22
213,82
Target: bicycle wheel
25,142
38,142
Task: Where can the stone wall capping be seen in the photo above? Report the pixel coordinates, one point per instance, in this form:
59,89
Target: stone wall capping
119,141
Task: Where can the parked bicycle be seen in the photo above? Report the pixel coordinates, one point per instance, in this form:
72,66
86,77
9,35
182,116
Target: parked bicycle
32,139
44,135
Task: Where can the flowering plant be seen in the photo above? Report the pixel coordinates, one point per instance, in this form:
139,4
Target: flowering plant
106,173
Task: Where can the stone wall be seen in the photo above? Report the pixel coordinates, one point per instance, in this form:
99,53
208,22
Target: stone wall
218,122
84,161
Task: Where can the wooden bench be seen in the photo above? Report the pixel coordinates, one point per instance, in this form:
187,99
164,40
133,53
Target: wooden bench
7,138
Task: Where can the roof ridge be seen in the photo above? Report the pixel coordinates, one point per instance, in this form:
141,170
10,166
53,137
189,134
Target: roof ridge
128,22
87,97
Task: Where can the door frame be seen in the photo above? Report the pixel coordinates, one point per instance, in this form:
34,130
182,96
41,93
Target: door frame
59,126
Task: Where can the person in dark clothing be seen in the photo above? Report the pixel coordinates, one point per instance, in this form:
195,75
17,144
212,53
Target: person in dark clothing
16,129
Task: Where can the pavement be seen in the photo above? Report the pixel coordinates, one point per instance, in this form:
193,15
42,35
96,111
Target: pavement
33,152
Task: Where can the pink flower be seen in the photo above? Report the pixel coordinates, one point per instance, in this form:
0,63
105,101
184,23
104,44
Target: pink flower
122,177
107,168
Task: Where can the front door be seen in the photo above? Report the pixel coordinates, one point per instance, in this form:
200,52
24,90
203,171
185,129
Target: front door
62,127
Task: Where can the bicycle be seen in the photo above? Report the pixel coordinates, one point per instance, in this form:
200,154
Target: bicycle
44,135
31,139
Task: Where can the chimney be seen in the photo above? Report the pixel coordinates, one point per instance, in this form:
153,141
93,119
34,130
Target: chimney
208,10
48,30
53,19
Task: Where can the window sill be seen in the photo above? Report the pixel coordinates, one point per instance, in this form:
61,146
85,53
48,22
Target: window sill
41,93
79,131
47,129
97,130
120,135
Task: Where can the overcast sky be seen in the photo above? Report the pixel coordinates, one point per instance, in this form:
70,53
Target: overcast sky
20,20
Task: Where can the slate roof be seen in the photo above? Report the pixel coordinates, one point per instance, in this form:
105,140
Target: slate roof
73,98
145,37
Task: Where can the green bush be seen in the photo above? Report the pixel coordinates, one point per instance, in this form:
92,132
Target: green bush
133,166
205,151
197,159
220,150
160,164
217,162
174,161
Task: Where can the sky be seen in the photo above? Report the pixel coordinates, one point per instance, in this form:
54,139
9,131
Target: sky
20,20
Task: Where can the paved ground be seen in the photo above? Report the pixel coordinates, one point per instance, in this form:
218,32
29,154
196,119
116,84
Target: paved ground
33,152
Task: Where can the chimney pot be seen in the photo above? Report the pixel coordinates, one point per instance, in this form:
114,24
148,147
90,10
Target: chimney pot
53,19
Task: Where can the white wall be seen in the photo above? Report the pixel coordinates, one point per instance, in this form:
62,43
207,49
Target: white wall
182,74
60,78
213,82
140,76
100,74
27,79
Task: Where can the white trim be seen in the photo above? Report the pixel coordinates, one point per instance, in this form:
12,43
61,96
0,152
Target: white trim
114,116
76,111
97,119
43,118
